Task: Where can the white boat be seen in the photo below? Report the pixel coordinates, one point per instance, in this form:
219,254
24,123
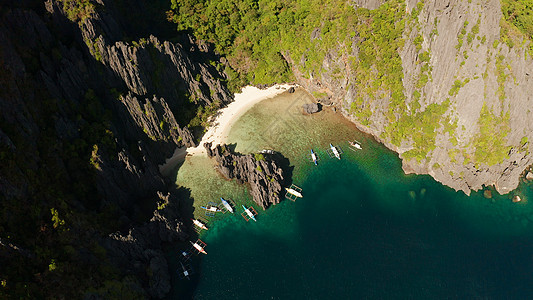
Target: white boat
211,208
249,213
199,224
335,151
199,245
294,192
313,157
355,145
185,271
226,205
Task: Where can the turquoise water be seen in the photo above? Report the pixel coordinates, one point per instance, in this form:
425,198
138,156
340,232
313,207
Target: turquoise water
365,230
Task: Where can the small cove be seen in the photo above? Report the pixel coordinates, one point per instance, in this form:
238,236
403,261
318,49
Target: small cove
363,229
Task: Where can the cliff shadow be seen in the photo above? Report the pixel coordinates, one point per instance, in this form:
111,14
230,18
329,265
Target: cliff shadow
182,288
286,166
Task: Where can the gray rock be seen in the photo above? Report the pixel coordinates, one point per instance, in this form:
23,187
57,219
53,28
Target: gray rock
529,176
370,4
311,108
263,172
439,24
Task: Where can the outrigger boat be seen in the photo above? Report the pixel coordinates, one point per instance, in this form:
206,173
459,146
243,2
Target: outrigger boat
199,224
314,157
199,246
294,192
335,151
355,145
185,271
211,208
226,205
249,213
185,255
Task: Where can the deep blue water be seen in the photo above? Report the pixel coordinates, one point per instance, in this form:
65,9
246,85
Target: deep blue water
366,230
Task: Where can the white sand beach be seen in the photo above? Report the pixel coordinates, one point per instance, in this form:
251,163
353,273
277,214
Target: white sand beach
221,126
218,132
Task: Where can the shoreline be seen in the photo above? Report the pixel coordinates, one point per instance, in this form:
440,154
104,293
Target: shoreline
220,127
224,119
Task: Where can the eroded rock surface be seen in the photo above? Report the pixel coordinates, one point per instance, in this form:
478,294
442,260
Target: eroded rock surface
262,171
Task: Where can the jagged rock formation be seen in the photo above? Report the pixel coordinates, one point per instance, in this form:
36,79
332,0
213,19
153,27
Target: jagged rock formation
455,56
142,246
86,117
263,172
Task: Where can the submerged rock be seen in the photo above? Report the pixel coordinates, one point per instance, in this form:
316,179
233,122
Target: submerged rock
262,171
311,108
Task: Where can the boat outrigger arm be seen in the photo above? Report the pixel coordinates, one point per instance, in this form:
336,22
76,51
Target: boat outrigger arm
294,192
199,224
197,245
249,213
335,151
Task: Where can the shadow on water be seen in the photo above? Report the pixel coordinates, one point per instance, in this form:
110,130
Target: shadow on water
182,288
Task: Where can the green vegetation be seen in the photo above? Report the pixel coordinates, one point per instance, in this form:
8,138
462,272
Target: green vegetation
501,77
78,10
55,218
517,22
52,266
203,114
461,35
319,95
423,127
490,143
94,49
457,85
378,68
259,37
259,156
61,211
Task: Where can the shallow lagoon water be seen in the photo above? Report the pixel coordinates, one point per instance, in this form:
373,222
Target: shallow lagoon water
363,228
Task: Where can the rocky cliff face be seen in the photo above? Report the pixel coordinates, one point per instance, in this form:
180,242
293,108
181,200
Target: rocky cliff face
461,68
262,171
87,115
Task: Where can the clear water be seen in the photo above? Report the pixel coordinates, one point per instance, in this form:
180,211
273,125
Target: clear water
363,228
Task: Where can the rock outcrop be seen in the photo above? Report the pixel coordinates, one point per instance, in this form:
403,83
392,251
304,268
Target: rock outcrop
140,251
262,171
87,113
454,56
311,108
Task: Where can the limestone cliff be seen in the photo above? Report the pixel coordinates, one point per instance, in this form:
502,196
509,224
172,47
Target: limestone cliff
461,112
87,113
262,171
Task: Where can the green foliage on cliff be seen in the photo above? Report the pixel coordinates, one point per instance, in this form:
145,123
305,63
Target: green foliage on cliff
260,38
520,14
517,22
378,67
55,221
490,143
78,10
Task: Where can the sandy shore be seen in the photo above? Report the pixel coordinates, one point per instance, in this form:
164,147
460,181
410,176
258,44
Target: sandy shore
218,132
